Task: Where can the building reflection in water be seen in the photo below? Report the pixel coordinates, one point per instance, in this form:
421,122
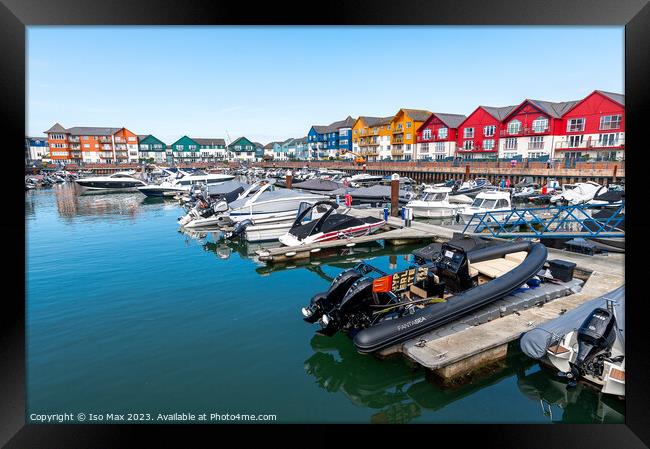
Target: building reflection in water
71,201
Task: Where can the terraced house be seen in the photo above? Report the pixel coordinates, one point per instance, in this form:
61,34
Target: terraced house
186,151
330,140
244,149
478,134
212,149
92,144
436,137
403,128
151,148
371,137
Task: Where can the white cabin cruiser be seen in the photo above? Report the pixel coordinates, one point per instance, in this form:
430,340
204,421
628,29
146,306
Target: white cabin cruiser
116,181
494,201
183,183
434,204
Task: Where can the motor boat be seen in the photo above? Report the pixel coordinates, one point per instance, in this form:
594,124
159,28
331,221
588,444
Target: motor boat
330,226
434,203
116,181
587,343
494,201
524,194
182,183
364,179
578,193
317,185
379,194
472,187
380,310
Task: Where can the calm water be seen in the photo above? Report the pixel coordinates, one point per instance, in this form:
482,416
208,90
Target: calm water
127,315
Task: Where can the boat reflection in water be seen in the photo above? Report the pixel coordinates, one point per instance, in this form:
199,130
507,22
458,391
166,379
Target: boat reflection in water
401,393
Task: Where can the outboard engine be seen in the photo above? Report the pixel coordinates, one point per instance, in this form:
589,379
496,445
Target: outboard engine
323,302
238,229
595,338
344,314
220,206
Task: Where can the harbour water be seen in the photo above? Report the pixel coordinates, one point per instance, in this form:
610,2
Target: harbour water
127,315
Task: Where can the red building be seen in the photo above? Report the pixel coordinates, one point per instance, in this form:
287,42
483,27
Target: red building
437,136
594,126
478,134
530,129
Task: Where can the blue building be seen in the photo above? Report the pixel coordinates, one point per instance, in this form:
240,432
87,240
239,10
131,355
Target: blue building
36,148
331,140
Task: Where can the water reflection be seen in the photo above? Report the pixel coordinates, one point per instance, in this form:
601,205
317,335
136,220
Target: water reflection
402,393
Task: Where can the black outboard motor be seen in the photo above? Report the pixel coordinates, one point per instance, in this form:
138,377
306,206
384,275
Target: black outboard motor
595,338
323,302
238,229
343,314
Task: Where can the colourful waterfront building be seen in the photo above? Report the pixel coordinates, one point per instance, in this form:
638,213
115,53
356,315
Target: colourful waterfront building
36,148
403,128
150,148
185,151
243,149
437,136
371,137
92,144
593,126
478,134
211,149
331,140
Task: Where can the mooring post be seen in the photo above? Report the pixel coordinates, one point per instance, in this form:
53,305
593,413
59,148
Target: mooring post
466,172
614,176
394,195
288,179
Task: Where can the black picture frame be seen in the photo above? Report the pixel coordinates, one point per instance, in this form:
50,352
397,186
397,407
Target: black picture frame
15,15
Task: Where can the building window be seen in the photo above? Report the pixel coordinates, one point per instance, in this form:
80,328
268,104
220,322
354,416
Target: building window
468,133
86,145
511,143
575,141
440,147
443,133
468,144
488,144
514,127
426,134
408,135
424,147
408,124
540,124
608,140
489,130
610,122
537,142
575,125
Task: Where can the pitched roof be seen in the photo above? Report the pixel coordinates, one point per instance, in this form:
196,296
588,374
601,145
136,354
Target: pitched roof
209,141
270,144
56,128
553,109
347,122
499,113
619,98
258,145
419,115
451,120
376,121
92,131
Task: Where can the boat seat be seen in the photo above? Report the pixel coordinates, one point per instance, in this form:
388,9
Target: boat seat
517,257
494,268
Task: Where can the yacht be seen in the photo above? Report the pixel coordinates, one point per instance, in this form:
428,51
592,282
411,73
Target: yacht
578,193
172,187
434,203
116,181
495,201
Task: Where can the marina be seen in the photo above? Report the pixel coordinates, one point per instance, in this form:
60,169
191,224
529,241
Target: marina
458,356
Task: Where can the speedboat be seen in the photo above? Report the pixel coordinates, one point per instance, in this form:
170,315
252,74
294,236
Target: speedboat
116,181
586,343
496,202
434,204
371,306
472,187
364,179
317,185
330,226
183,183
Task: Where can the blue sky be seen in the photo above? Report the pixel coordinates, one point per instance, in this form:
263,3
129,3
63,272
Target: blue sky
272,83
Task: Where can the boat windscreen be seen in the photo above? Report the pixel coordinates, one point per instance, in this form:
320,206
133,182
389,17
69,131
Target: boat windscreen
489,204
477,202
434,196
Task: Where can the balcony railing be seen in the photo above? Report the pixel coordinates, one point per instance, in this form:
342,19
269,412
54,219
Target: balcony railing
105,140
592,144
398,131
523,132
397,140
74,139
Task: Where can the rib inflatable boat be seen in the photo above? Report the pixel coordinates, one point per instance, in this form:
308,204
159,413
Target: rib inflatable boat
385,310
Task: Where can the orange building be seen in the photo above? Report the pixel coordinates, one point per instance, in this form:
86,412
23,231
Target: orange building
371,137
92,144
403,128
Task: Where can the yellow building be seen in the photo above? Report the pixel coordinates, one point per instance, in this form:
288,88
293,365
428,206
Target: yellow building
403,132
371,137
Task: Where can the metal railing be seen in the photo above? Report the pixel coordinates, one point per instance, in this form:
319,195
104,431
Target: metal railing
550,222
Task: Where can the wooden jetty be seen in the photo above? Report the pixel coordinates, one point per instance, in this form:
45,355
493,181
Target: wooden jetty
471,348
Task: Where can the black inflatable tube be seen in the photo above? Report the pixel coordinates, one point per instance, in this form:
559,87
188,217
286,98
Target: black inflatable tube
401,329
492,252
